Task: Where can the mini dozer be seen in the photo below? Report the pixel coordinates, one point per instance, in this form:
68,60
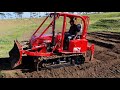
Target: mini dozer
51,49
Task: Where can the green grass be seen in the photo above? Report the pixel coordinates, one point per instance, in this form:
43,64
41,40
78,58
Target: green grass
1,74
105,22
23,29
15,31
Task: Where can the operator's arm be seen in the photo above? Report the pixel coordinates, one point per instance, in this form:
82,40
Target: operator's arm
76,35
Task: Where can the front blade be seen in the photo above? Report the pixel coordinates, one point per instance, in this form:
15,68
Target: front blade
16,55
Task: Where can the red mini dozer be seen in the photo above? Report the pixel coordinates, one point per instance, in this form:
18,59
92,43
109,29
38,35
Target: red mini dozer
49,50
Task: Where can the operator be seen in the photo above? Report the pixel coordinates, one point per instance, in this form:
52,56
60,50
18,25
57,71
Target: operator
73,32
73,28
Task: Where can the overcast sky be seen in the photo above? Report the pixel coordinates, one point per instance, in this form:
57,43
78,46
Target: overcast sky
25,14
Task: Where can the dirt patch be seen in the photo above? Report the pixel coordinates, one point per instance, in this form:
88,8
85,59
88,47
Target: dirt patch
106,62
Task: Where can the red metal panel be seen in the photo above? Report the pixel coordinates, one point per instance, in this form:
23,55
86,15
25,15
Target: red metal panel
78,44
37,53
63,31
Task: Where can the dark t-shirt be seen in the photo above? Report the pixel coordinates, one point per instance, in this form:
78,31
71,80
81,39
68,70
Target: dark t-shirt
73,30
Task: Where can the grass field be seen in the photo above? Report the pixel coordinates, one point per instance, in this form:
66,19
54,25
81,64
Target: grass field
23,29
105,22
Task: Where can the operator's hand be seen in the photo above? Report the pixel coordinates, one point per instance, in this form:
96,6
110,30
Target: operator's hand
76,36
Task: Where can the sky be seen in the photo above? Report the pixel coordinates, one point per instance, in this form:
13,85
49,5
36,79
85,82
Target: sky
25,14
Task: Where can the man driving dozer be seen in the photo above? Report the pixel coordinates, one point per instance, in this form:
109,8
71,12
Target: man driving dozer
72,33
73,28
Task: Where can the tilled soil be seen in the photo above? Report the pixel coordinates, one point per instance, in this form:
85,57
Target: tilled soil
106,63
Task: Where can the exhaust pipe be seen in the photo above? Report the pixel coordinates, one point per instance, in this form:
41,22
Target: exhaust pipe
15,55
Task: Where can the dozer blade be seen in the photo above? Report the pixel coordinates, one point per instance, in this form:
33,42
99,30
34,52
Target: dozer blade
16,55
